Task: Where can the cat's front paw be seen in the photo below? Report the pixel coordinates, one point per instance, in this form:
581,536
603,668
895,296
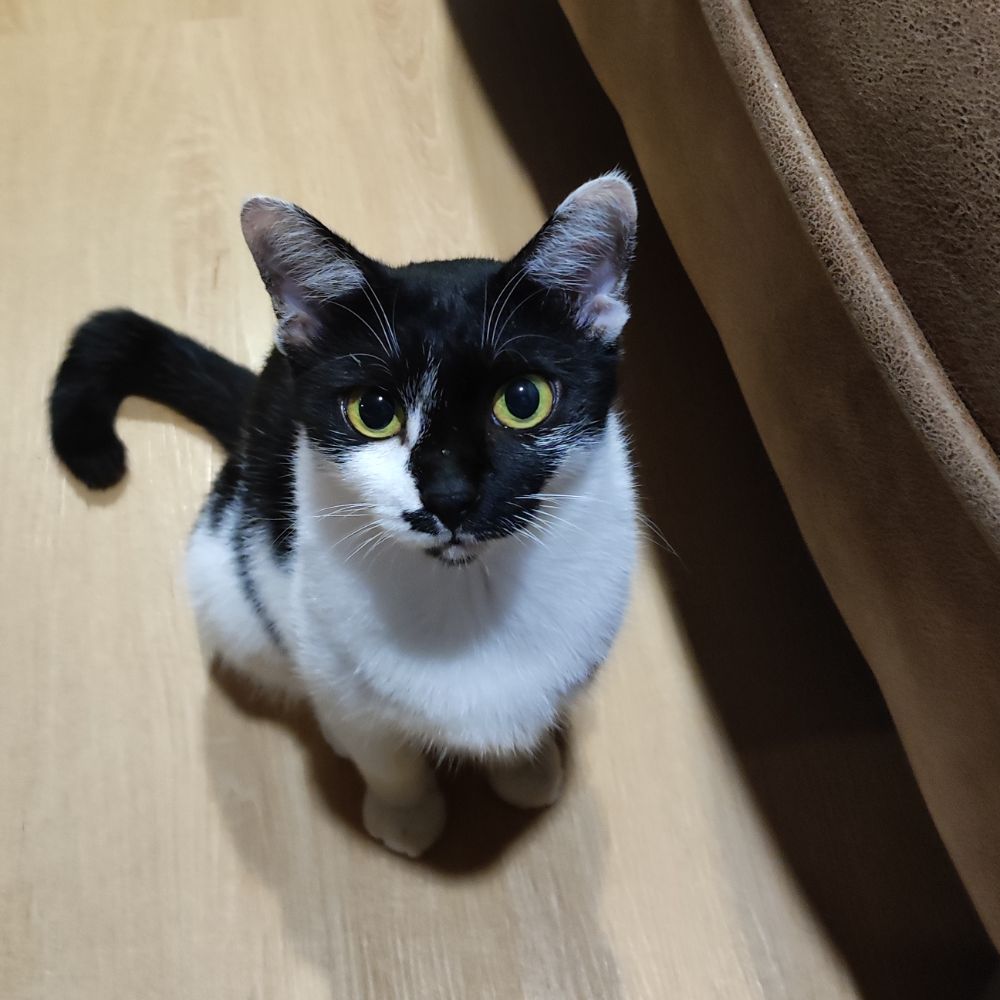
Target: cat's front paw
409,829
530,782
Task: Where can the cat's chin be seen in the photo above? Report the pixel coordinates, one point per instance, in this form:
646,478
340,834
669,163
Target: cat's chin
454,554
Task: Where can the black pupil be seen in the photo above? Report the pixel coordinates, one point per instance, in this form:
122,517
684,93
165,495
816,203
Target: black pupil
376,409
522,398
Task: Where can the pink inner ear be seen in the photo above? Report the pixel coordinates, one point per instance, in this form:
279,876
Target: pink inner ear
607,316
297,329
601,309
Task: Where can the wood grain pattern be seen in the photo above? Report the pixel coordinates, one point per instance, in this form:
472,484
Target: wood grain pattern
160,835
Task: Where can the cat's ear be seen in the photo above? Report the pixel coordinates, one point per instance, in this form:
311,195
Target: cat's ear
585,250
303,264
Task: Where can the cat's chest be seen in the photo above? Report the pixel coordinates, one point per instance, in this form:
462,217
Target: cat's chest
554,603
473,660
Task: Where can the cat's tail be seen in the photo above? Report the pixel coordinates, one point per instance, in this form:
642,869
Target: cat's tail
119,353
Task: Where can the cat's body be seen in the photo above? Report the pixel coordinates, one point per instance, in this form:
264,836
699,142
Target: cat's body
430,576
478,659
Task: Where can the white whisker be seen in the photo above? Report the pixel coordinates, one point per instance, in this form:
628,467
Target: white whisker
486,295
560,496
652,531
383,319
542,513
511,315
378,337
372,525
392,324
655,535
374,357
382,539
374,541
514,279
533,536
503,305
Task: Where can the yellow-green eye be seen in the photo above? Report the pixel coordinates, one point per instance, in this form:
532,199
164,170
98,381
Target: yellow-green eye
374,413
524,402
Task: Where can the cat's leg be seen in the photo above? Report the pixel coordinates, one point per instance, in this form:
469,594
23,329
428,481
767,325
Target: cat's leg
530,781
403,806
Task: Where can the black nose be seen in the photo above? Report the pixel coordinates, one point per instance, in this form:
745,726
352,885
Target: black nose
449,501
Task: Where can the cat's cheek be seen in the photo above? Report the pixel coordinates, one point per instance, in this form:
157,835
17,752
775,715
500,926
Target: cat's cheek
379,472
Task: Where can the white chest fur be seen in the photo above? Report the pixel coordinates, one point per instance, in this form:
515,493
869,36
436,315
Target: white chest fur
478,658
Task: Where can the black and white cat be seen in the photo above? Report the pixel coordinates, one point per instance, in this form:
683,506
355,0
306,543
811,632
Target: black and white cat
426,524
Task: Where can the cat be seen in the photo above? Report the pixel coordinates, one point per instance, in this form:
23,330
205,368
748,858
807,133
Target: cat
426,524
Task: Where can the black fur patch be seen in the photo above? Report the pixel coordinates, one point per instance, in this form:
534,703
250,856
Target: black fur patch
248,584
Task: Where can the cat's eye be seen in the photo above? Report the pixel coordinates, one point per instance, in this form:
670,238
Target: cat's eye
524,402
375,413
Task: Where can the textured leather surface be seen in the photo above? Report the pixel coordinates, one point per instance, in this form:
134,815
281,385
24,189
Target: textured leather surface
903,97
892,482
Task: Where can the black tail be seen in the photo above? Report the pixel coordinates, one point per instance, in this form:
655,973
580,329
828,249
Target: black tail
119,353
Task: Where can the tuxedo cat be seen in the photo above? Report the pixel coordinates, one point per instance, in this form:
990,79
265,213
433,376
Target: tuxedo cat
426,523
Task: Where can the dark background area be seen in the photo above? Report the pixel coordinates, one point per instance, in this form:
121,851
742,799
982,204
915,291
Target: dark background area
797,701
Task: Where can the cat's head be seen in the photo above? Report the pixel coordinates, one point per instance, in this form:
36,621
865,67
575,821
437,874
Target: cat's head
447,394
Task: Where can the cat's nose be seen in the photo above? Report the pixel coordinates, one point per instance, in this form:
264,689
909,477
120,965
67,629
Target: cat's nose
449,501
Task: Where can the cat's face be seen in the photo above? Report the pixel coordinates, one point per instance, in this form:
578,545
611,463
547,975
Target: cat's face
446,395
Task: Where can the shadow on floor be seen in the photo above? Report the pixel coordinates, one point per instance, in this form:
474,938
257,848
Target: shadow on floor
480,827
323,890
797,701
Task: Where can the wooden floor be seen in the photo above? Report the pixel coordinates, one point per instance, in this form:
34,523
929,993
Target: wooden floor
739,821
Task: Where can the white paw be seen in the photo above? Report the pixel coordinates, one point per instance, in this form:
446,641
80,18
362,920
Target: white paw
408,830
531,782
